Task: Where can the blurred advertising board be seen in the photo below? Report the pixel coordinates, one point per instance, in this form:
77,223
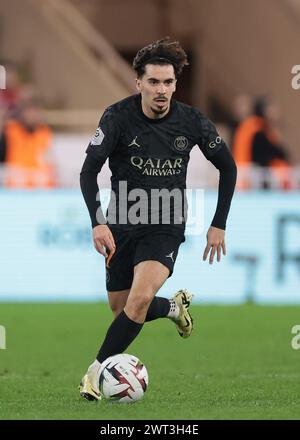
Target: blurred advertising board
47,254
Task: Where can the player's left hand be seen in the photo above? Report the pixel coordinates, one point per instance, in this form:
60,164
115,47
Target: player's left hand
215,243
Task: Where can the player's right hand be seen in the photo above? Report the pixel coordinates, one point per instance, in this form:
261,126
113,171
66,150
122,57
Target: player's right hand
103,239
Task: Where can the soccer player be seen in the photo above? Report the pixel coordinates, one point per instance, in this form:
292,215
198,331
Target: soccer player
148,138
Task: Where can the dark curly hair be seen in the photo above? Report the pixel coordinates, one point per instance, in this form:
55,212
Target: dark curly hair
160,52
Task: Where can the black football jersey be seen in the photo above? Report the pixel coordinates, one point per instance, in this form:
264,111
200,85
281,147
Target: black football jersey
147,152
151,153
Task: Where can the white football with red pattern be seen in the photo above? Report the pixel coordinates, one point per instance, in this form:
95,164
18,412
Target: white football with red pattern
123,378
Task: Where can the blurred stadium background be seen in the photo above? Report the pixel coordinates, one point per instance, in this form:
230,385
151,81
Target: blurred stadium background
67,60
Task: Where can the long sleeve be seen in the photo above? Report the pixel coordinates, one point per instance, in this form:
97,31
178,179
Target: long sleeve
224,162
100,148
216,151
90,191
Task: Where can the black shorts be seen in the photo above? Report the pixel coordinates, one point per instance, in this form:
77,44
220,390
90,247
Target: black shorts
132,247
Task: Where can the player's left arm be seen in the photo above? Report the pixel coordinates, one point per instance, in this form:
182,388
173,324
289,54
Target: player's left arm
217,152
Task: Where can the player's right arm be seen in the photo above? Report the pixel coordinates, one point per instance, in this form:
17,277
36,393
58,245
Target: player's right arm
101,146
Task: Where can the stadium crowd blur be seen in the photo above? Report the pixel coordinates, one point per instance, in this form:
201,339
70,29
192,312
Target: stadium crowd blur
25,140
257,147
26,145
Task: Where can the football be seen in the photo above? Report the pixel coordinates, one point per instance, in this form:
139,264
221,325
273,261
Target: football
123,378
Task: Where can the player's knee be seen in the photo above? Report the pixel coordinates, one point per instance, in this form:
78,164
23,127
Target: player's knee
116,310
140,305
153,289
117,306
140,302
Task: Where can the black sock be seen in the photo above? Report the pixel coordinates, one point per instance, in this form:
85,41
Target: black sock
159,308
119,336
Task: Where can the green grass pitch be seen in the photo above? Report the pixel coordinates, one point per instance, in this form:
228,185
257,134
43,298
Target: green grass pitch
238,364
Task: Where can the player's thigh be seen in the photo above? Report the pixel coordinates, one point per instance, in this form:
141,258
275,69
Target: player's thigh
117,300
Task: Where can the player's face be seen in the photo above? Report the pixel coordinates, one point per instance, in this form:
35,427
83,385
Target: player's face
156,86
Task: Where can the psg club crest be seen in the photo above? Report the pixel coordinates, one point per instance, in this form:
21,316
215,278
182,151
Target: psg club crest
181,143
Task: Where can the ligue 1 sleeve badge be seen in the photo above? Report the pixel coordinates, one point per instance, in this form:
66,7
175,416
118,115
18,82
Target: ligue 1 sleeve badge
98,137
181,143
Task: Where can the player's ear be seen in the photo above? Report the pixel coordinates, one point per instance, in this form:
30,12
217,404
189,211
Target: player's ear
138,84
